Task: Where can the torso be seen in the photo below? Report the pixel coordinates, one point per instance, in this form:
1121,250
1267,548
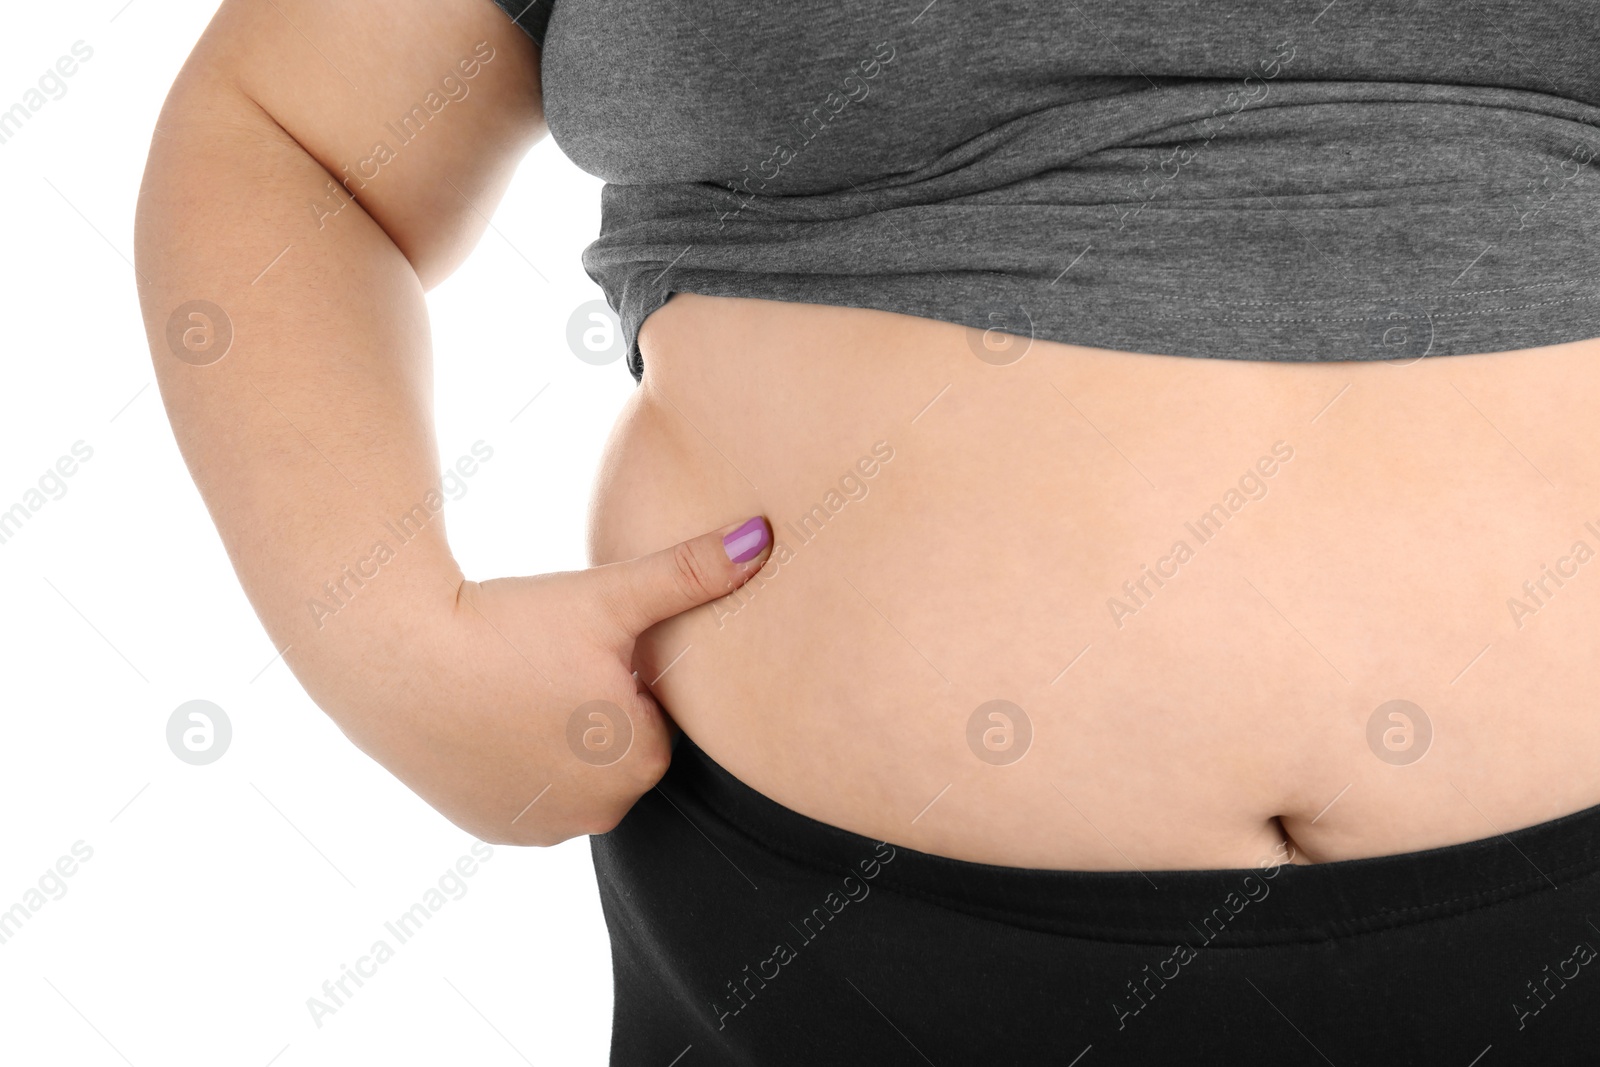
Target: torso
1206,717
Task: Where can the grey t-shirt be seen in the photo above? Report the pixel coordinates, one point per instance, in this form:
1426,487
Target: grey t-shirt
1248,179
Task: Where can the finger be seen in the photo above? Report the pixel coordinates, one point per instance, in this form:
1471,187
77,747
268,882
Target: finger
643,591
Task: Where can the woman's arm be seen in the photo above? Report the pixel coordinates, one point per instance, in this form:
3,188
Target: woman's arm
316,427
311,438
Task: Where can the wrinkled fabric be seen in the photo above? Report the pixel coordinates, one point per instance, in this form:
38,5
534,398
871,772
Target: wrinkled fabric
1238,180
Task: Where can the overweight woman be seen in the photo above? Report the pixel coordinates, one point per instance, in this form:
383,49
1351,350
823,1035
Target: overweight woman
1099,563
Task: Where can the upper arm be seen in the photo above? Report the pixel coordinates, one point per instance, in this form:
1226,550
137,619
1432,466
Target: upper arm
420,108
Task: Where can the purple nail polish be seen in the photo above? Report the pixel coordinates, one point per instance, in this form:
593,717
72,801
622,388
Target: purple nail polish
746,543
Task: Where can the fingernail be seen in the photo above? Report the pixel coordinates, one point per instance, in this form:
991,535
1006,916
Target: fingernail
746,543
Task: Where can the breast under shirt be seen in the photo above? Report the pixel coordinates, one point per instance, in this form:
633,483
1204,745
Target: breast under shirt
1241,179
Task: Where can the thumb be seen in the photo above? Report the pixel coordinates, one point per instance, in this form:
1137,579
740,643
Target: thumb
645,590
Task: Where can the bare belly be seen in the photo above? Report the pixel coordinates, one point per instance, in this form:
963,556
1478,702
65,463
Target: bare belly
1195,585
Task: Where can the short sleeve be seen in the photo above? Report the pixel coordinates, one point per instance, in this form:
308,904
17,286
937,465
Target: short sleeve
532,15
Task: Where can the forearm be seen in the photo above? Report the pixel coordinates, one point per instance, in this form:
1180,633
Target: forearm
311,439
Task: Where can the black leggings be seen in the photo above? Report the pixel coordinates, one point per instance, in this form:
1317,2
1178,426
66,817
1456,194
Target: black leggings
746,933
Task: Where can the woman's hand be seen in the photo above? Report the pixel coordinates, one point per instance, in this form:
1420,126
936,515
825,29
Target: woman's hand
304,409
530,726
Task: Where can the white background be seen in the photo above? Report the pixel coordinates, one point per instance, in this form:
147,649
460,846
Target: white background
219,898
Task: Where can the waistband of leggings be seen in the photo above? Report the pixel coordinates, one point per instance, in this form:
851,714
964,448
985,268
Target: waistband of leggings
1233,906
